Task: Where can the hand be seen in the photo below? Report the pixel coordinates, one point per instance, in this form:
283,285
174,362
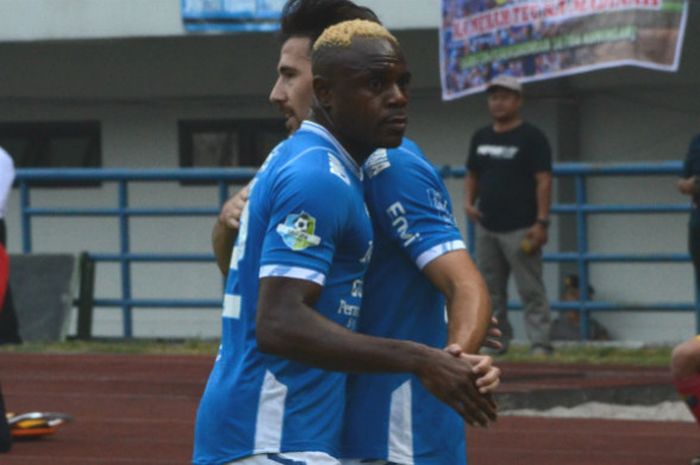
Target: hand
473,213
686,186
452,380
231,211
488,376
493,336
537,235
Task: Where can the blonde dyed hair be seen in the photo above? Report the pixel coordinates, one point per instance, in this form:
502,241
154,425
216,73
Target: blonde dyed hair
340,35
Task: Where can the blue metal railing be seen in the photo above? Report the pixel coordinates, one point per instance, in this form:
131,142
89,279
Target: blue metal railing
123,211
222,177
582,257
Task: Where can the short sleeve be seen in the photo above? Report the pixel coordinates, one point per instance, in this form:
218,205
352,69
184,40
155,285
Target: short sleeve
542,152
409,204
305,225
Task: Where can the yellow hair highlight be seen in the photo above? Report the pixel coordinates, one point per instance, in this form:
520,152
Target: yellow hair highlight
341,34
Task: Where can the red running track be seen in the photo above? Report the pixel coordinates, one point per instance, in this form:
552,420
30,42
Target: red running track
139,410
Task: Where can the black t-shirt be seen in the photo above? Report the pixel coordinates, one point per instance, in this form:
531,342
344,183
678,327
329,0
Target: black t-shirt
505,164
691,167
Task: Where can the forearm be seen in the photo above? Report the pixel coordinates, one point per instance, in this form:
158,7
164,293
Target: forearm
290,328
544,195
222,240
308,337
455,275
469,312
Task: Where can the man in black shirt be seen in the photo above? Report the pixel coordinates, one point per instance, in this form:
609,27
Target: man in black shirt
685,359
509,173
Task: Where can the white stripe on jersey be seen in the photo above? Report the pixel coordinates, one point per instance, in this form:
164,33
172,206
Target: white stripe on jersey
437,251
401,426
270,418
232,306
284,271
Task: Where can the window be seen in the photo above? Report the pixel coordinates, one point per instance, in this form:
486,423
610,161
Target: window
64,144
53,145
214,143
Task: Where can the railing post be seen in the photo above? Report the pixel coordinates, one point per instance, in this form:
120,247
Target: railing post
582,243
124,262
86,296
25,203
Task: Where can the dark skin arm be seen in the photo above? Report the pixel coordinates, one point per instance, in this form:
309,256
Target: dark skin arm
288,326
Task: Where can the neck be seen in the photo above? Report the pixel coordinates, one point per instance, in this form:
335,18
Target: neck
359,154
504,125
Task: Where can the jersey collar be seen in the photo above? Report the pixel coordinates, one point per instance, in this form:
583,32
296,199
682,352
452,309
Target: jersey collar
346,159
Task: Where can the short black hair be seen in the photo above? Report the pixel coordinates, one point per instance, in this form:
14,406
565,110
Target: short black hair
309,18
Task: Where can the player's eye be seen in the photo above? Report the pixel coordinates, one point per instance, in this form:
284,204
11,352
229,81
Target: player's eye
404,81
376,83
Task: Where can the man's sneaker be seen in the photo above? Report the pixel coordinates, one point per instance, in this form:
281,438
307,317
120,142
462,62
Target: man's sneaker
695,461
539,350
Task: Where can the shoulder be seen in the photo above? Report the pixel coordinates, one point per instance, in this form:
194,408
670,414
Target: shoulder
401,160
532,130
482,132
316,171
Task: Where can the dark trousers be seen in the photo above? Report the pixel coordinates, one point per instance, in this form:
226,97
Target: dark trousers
9,329
5,439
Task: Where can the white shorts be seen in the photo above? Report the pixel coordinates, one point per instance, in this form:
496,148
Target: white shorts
288,458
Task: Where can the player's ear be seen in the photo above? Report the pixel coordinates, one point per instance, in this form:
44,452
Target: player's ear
323,90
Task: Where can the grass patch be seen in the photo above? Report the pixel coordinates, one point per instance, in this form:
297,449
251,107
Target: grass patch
119,346
586,353
595,354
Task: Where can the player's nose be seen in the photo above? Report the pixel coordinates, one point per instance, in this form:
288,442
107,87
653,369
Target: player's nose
277,95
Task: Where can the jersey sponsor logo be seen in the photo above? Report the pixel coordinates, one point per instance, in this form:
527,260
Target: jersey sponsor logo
297,231
497,151
441,205
357,288
337,168
368,255
350,311
397,213
377,162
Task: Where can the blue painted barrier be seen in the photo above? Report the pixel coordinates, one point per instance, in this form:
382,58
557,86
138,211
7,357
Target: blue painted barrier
124,177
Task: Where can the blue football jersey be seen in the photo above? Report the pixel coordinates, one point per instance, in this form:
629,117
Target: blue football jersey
392,416
305,219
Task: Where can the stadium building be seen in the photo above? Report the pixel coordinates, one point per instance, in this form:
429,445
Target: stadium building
124,84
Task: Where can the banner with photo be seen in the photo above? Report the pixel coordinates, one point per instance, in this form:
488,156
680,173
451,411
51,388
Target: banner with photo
231,15
543,39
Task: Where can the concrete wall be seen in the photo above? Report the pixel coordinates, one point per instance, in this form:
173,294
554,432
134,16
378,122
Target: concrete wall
138,88
30,20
